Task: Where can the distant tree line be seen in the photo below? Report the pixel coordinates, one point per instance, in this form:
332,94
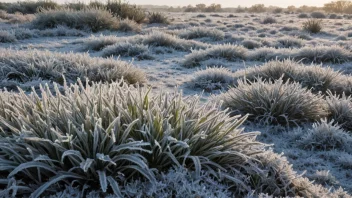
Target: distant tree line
339,7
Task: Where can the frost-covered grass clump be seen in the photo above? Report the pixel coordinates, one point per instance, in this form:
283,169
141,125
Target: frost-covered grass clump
139,51
119,140
7,37
327,136
127,25
315,77
274,102
152,39
24,66
340,110
93,19
227,52
103,134
201,32
213,78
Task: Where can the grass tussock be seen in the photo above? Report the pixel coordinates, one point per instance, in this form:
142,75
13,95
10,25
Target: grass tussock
313,26
127,25
269,20
227,52
276,102
314,77
139,51
327,136
158,17
152,39
197,32
25,66
306,54
16,18
90,18
213,78
126,11
340,110
104,134
7,37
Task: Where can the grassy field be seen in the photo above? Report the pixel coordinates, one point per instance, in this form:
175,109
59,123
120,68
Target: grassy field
175,104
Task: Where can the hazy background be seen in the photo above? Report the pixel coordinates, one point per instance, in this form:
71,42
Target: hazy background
224,3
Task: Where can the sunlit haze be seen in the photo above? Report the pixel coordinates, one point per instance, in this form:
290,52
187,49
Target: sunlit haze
224,3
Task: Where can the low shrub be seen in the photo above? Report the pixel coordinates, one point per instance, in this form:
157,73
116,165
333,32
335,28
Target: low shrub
269,20
303,15
332,16
93,19
157,17
313,26
126,11
276,102
31,7
318,15
127,25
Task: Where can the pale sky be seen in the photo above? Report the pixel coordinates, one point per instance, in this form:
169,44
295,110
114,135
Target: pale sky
224,3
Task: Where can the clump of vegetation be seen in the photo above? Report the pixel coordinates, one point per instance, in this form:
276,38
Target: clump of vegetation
340,110
140,51
201,32
31,7
157,17
7,37
327,136
269,20
213,78
103,134
16,18
303,15
318,15
228,52
274,102
250,44
30,66
161,39
290,42
99,42
152,39
313,26
126,11
322,54
314,77
92,19
127,25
